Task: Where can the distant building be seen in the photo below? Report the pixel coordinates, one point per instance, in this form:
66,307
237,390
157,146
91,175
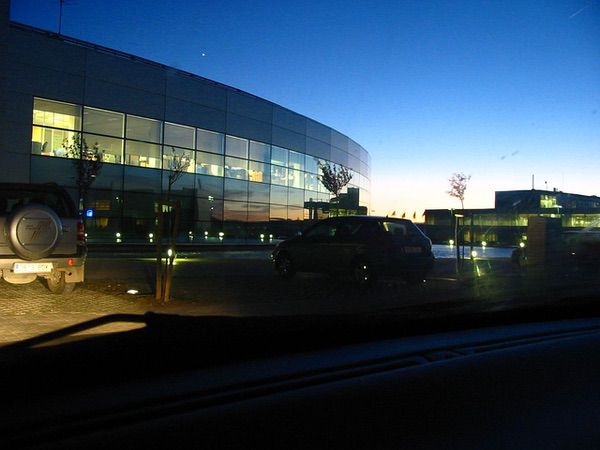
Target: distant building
506,223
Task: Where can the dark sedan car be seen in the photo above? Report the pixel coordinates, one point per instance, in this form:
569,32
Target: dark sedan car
362,246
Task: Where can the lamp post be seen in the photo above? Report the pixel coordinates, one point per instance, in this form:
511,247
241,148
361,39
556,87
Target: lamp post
457,217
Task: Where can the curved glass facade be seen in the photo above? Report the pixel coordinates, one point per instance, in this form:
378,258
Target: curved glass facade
232,186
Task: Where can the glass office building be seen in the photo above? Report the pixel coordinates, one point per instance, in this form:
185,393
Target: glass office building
251,166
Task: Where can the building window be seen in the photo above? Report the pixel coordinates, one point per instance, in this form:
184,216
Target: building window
209,164
296,160
548,201
50,141
236,168
174,157
279,156
259,172
209,141
311,164
260,151
179,135
111,148
142,129
295,179
279,175
311,181
56,114
99,121
236,147
142,154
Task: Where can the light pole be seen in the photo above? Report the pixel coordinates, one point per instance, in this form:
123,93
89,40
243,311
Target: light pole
457,217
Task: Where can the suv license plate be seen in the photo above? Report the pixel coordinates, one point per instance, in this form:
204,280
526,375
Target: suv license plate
32,267
412,249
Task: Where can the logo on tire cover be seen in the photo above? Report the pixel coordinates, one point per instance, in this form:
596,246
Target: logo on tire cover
39,229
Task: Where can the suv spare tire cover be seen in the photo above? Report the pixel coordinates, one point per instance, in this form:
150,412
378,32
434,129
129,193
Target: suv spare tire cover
33,231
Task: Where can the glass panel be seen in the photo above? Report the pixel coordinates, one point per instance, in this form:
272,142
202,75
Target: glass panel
236,147
295,213
141,180
209,164
279,156
103,122
296,197
142,154
296,160
258,212
258,192
209,209
207,186
296,179
209,141
49,142
236,168
312,164
235,211
311,182
279,175
259,172
143,129
112,148
260,151
56,114
278,212
140,205
279,195
236,190
174,158
179,135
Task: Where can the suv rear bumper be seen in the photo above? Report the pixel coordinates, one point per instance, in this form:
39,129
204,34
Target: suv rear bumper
72,265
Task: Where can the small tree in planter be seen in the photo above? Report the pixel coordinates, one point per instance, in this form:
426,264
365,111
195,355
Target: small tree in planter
178,164
88,162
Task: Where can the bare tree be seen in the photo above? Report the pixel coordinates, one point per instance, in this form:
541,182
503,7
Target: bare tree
458,186
178,164
88,162
334,178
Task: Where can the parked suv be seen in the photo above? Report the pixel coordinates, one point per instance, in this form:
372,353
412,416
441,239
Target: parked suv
362,246
41,234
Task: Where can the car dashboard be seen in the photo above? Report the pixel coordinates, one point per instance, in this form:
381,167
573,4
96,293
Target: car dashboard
528,385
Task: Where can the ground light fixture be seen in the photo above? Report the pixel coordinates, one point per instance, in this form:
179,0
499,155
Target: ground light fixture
474,254
133,291
451,242
522,244
483,244
221,235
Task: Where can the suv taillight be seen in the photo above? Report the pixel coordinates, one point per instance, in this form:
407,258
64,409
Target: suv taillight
80,231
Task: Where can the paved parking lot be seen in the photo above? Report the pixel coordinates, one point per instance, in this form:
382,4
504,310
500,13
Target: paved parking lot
227,283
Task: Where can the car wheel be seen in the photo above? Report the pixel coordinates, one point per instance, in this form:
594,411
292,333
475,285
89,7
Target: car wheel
284,266
363,274
57,284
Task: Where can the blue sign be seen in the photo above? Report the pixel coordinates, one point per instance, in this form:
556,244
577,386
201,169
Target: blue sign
89,213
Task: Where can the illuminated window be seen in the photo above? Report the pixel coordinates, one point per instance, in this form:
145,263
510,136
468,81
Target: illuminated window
56,114
259,172
50,141
174,157
142,154
209,164
548,201
295,179
99,121
111,148
260,151
236,168
236,147
179,135
142,129
279,175
296,160
209,141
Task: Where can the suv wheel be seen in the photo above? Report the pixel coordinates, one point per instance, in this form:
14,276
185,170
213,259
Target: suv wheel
284,266
57,284
33,231
363,274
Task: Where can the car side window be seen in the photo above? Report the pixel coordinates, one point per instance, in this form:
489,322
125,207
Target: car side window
395,229
323,230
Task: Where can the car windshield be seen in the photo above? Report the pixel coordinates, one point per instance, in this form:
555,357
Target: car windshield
297,158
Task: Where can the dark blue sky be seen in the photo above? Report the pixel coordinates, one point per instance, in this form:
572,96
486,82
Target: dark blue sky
497,89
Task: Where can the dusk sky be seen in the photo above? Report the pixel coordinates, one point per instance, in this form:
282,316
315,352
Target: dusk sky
499,90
